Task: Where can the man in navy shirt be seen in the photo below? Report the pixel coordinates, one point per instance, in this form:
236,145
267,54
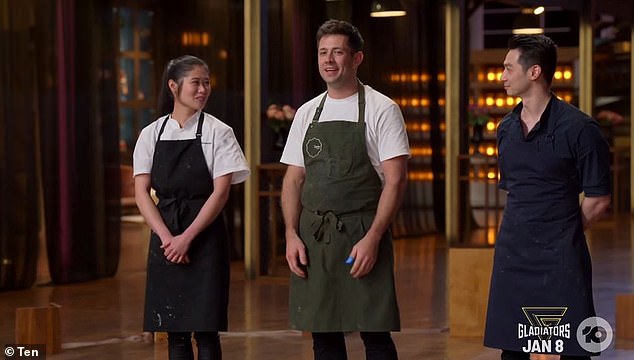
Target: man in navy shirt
549,153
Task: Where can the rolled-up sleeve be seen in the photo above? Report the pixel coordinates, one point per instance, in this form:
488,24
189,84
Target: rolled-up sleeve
593,161
228,156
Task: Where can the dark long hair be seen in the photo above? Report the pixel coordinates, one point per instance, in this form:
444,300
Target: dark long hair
176,70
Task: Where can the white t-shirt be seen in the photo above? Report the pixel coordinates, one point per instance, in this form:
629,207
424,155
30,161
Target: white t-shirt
220,147
386,137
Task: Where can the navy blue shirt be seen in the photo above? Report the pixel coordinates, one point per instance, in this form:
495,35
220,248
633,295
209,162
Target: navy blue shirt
564,154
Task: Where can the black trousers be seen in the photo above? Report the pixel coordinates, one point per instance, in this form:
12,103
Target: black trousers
179,346
516,355
332,346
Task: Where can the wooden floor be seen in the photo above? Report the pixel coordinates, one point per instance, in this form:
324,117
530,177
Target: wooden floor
102,319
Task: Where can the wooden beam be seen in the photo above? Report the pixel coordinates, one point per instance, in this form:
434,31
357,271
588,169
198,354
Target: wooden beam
252,114
452,118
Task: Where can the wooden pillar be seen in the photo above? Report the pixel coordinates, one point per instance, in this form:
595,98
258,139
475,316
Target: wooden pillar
469,280
586,45
452,118
252,139
624,316
631,117
39,325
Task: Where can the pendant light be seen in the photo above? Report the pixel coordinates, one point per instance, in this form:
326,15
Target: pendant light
528,22
387,8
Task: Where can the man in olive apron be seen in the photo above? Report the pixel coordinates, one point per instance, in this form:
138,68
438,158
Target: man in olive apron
347,152
549,152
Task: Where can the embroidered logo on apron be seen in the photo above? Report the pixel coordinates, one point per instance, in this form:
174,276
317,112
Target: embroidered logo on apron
313,147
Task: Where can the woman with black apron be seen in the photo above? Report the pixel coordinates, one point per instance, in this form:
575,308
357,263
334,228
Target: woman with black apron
190,159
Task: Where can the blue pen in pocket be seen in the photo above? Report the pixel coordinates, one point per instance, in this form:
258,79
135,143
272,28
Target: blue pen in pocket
349,260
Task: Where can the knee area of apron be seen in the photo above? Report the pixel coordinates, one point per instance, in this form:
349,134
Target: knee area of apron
177,338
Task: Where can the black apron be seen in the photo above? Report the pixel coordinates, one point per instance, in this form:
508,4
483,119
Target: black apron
339,200
542,275
194,296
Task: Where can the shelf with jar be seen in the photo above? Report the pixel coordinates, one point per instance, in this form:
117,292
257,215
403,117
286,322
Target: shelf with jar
411,90
488,98
411,93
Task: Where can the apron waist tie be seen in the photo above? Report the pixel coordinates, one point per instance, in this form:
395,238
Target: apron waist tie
328,218
173,209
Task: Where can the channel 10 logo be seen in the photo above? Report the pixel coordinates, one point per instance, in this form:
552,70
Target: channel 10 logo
594,334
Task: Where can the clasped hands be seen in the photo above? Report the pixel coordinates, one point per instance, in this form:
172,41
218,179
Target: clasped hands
175,249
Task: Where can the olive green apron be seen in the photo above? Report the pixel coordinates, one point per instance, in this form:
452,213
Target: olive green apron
339,200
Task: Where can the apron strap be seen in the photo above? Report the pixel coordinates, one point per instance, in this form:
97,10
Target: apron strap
361,117
163,127
199,129
361,92
550,129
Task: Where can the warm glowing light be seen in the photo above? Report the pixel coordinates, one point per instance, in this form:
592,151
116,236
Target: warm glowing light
510,100
499,102
394,77
424,102
441,102
491,234
498,76
420,175
538,10
481,102
403,102
441,77
567,74
490,151
491,174
425,127
558,75
480,76
424,77
415,102
192,38
518,99
491,76
490,126
528,31
490,101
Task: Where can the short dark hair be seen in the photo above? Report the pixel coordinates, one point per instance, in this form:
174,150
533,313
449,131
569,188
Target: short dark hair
536,50
176,69
340,27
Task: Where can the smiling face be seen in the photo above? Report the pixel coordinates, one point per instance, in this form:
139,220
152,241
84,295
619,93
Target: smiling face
338,63
192,92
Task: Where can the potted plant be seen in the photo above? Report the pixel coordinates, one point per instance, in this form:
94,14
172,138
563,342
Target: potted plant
478,118
279,119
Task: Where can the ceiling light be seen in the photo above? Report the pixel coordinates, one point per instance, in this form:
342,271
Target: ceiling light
387,8
527,23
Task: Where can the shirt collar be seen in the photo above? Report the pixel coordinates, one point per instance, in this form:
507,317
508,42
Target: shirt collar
192,121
